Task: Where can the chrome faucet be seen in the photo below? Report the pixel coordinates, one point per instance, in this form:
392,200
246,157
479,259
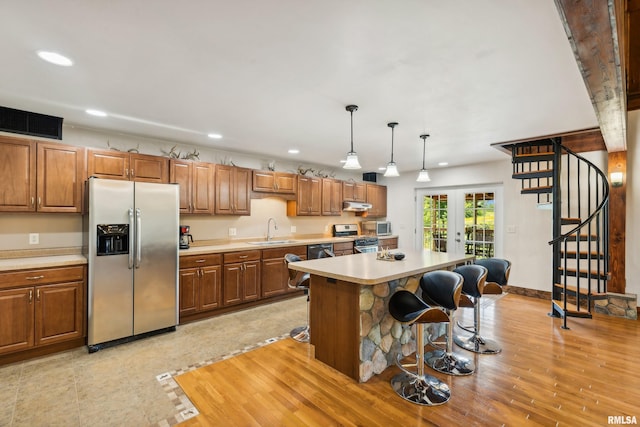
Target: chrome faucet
275,227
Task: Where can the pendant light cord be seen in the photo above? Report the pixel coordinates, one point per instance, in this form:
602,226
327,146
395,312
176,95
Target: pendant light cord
424,147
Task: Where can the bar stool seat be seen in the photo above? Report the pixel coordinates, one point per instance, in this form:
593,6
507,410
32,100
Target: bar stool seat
472,289
299,280
416,386
443,288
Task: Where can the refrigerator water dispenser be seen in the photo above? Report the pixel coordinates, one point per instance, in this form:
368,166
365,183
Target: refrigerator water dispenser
113,239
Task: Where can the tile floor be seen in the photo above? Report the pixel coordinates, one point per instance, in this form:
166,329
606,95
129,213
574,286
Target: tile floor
131,384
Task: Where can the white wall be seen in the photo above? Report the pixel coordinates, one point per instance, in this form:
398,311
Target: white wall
632,262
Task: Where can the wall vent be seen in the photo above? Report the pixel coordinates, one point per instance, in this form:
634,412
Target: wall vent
28,123
370,176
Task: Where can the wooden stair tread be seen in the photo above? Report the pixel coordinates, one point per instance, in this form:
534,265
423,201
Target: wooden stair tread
543,173
583,255
568,221
537,190
584,273
542,153
583,291
572,309
583,237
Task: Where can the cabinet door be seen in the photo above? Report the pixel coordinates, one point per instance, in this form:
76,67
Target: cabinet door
180,173
60,172
251,285
232,284
224,187
17,175
188,279
331,197
210,287
59,312
264,181
360,192
274,277
202,188
146,168
16,318
285,183
242,184
377,196
108,164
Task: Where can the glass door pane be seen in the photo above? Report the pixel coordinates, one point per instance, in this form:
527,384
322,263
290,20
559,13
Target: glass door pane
479,224
435,222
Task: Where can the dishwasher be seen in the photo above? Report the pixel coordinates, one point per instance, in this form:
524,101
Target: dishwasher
316,251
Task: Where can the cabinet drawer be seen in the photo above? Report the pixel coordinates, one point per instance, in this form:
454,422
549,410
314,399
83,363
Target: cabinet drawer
281,252
40,276
231,257
194,261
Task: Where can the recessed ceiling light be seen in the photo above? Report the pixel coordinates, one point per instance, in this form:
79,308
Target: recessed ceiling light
343,161
55,58
443,163
97,113
293,151
214,136
382,168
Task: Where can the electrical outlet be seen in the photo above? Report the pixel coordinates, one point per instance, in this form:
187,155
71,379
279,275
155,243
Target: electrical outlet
293,229
232,231
511,228
34,238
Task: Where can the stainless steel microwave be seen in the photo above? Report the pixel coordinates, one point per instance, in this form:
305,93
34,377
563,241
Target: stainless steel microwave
376,228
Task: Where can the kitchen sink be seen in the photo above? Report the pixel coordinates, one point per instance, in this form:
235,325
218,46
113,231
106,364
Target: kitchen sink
271,242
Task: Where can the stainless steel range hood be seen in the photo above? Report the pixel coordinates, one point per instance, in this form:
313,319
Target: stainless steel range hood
355,206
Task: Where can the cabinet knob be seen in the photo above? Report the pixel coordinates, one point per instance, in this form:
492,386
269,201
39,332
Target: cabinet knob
38,295
35,277
30,296
200,260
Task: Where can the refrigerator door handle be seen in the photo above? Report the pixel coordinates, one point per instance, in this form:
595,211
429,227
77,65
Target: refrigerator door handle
138,238
130,239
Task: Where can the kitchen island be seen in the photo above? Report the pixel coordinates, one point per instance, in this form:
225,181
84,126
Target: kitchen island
351,328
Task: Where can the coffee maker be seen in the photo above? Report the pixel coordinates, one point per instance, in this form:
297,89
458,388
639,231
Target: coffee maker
185,237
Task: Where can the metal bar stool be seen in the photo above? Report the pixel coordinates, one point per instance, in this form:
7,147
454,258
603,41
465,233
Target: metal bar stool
497,274
443,288
416,386
299,280
472,289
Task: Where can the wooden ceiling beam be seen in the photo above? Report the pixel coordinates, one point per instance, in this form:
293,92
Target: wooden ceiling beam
591,28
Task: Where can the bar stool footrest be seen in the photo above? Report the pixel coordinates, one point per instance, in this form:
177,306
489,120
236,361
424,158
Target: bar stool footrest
426,390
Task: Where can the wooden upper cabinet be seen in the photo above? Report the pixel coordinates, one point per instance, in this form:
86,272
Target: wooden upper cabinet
40,176
17,175
274,182
377,196
331,197
354,191
232,186
309,198
59,178
112,164
196,185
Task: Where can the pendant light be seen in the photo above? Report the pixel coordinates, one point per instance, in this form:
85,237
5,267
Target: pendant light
392,169
352,157
423,176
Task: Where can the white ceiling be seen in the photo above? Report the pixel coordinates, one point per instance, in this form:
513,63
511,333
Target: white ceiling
273,75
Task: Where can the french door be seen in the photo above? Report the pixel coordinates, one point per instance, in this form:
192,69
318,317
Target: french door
460,220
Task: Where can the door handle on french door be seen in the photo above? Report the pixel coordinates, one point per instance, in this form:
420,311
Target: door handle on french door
138,238
131,247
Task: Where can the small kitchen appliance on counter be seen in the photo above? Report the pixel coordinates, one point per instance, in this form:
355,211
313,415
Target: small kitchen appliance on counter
185,237
376,228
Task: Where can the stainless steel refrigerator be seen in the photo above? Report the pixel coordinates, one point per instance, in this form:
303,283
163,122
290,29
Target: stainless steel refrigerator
131,242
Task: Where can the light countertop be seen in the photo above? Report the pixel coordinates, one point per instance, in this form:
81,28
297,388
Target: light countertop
41,262
366,269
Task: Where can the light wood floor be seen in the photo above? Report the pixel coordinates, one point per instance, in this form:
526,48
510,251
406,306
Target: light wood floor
544,376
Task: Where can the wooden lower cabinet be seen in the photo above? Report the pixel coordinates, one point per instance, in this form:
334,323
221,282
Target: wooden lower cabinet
200,283
50,311
343,248
275,273
388,242
241,277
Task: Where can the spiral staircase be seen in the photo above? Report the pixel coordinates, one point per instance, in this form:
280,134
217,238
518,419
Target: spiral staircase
578,194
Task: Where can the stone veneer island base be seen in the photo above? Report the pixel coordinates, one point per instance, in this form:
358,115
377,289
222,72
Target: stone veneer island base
351,328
